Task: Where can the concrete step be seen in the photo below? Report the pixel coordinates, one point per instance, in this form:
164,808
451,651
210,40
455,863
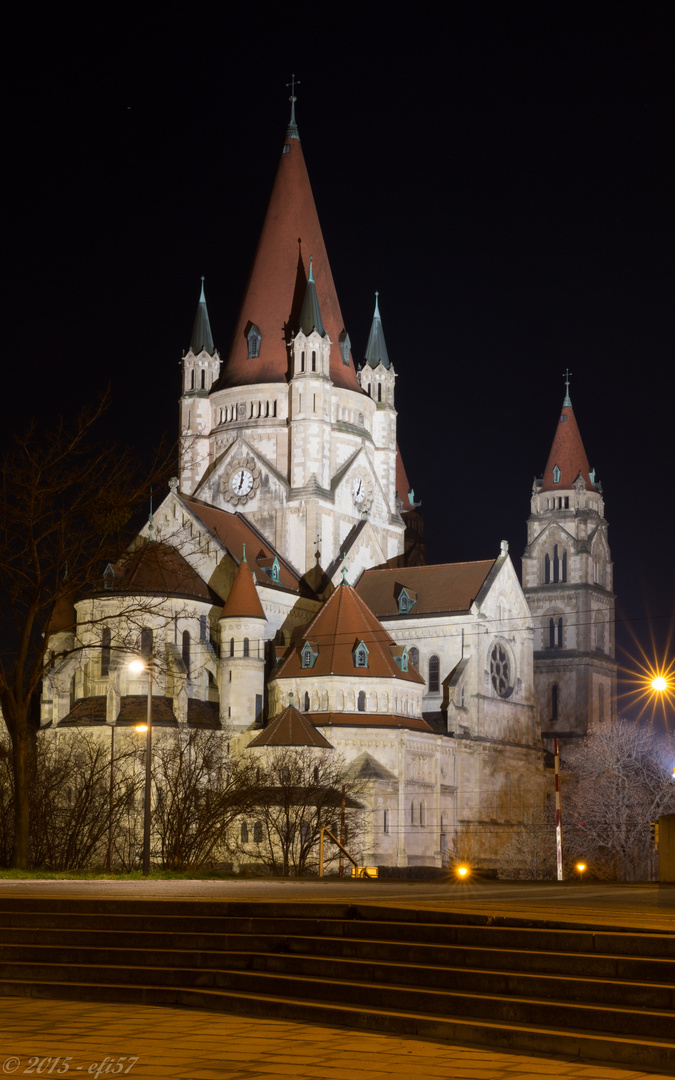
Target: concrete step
649,1053
506,1006
632,968
319,964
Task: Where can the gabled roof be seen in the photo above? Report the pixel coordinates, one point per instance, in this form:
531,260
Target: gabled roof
243,600
446,588
155,567
343,621
370,720
234,531
366,767
202,338
276,287
567,453
290,728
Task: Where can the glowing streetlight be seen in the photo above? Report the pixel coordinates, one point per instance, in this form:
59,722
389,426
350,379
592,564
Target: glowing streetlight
137,666
462,871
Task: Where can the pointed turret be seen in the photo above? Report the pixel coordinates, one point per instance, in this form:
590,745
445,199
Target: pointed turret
376,349
202,338
243,601
275,294
310,316
568,457
242,652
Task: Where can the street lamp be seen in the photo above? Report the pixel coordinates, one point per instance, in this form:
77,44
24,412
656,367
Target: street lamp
137,666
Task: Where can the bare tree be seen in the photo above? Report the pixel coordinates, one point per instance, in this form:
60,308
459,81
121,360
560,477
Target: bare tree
621,782
66,509
529,851
200,790
300,792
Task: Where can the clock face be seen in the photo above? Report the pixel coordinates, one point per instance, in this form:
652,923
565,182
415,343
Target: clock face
358,489
242,482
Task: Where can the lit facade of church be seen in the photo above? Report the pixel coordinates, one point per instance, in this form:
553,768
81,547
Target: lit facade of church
285,571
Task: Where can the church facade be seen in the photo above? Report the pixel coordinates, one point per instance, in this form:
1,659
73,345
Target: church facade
284,574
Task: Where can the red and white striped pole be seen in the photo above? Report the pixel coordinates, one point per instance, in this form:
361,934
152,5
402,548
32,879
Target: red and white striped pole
558,815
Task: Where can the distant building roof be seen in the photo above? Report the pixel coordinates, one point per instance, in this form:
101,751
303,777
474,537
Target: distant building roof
446,587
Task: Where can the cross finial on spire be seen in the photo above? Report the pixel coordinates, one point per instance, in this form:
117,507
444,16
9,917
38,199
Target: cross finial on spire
243,558
344,567
377,306
566,377
292,132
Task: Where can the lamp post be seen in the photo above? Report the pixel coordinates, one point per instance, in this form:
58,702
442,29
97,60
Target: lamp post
137,666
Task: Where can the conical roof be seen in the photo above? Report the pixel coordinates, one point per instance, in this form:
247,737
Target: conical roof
344,621
567,454
202,338
376,349
276,287
290,728
243,601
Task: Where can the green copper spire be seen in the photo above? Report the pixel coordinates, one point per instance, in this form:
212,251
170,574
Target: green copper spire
292,130
566,377
202,339
376,349
310,316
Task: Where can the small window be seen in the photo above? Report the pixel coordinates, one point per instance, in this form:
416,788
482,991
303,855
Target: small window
254,338
345,347
203,379
556,474
257,832
379,391
361,706
423,813
192,379
246,646
244,833
105,651
361,655
306,702
308,655
414,656
203,628
231,646
186,650
434,675
385,822
313,361
554,703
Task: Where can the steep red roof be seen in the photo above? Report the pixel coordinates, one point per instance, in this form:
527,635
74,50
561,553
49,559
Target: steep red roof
234,531
568,454
243,601
155,567
402,482
290,728
446,587
343,621
277,284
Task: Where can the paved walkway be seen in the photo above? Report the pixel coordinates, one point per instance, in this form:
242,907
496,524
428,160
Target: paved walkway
143,1042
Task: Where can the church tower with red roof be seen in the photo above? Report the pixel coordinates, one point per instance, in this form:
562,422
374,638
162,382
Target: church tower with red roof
288,432
568,583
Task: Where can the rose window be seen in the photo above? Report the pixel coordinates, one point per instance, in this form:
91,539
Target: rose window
500,670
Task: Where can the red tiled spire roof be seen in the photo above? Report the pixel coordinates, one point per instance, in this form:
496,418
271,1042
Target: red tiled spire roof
276,287
567,453
343,621
291,728
243,601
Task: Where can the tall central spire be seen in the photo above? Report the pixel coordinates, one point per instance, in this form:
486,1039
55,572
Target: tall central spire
278,282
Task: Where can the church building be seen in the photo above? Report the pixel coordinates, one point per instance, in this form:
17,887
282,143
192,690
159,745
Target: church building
282,590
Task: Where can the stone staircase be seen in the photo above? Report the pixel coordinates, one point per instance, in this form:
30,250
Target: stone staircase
592,992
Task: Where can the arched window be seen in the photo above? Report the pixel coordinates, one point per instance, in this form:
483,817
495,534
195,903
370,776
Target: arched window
306,702
203,627
244,833
413,813
563,566
254,338
423,813
554,703
385,822
434,675
285,774
203,379
379,391
231,646
414,656
186,650
105,651
313,361
257,832
302,360
192,379
246,646
362,701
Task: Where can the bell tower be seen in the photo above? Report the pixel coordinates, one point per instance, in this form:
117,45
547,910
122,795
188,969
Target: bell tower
568,583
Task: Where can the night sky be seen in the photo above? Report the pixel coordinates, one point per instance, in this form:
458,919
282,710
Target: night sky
502,180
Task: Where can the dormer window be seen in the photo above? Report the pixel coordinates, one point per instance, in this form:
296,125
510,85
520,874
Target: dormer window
402,660
254,338
556,474
345,347
360,654
406,599
309,654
